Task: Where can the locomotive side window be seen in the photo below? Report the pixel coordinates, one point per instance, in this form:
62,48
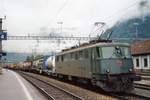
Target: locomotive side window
62,58
57,58
67,57
98,50
86,54
93,54
76,56
72,55
80,54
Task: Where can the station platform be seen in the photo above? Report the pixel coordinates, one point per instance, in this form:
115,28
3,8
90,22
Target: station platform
14,87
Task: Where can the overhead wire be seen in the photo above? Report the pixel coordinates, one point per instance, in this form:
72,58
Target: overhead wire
58,12
124,11
61,8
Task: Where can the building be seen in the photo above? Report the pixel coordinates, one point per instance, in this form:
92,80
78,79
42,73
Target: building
141,55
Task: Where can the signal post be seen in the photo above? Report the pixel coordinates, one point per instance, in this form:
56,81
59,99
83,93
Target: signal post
3,36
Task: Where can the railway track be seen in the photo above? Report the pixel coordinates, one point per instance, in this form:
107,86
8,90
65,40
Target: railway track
145,73
142,86
135,95
120,96
142,93
82,92
51,91
145,76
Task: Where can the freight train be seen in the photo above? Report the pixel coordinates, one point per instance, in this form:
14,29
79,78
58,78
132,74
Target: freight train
104,64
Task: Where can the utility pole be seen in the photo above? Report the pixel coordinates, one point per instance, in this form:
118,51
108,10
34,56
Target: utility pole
60,26
136,30
60,31
143,6
3,36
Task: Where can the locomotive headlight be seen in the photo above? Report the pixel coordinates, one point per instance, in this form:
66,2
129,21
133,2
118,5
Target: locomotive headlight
130,70
108,71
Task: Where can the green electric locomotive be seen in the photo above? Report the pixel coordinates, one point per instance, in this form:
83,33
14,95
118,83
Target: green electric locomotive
107,65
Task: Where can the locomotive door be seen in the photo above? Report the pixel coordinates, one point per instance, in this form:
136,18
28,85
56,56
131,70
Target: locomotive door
95,66
93,61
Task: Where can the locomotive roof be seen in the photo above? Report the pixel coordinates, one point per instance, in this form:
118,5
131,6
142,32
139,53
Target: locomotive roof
90,46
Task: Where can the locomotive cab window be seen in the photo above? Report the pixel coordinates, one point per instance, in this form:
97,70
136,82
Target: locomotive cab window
80,54
116,52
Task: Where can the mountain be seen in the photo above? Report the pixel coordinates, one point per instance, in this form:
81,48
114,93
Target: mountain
131,29
15,57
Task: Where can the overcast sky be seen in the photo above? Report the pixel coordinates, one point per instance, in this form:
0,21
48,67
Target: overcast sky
34,16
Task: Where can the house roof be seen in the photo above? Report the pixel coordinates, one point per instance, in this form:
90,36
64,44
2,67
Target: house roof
141,48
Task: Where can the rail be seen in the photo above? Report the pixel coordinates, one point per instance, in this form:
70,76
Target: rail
51,91
133,95
142,86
